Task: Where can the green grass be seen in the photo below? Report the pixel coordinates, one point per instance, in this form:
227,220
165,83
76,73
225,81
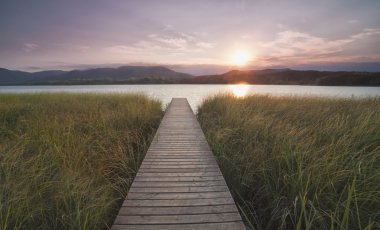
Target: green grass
298,162
67,160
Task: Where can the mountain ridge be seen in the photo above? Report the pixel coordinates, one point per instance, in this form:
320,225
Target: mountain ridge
122,74
290,77
164,75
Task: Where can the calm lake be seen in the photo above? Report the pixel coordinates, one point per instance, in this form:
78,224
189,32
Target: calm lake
196,93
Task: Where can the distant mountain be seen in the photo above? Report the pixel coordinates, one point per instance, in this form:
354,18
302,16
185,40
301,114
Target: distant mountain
46,74
8,76
289,77
163,75
121,75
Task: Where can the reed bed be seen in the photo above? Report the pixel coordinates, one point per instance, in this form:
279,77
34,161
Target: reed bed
298,162
67,160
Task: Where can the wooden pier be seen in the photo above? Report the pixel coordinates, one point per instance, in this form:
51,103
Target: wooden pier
179,184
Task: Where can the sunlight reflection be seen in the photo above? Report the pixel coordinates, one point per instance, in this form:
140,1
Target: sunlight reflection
239,90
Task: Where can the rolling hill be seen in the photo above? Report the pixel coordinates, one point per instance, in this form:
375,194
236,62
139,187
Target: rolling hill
290,77
163,75
121,75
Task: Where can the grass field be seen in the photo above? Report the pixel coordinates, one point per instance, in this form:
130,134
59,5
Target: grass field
298,163
67,160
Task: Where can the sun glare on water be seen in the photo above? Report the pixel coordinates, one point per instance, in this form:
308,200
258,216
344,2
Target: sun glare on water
240,58
239,90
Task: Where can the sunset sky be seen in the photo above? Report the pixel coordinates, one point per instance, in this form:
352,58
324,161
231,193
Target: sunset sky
47,34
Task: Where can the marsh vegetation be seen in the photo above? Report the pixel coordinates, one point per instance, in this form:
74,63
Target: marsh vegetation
67,160
298,162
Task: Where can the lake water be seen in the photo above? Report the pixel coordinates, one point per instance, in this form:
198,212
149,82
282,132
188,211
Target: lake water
196,93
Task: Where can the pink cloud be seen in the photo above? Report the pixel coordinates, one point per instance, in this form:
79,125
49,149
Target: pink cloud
29,47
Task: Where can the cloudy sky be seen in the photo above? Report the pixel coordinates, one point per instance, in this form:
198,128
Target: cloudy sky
49,34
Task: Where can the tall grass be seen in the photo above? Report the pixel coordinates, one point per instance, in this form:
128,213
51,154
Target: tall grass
67,160
299,163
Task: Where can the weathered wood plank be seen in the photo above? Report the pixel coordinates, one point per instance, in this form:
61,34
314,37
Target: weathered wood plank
195,155
176,195
127,211
158,166
209,162
180,189
238,225
179,219
183,179
174,203
180,170
175,153
193,174
179,157
139,184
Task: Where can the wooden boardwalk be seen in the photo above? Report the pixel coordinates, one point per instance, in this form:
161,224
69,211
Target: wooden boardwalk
179,184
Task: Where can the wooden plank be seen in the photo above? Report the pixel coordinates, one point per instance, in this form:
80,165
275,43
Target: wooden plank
173,152
193,174
179,189
176,152
182,141
180,170
196,155
158,166
206,157
179,161
139,184
127,211
182,149
183,179
176,195
238,225
179,184
174,203
208,162
179,219
182,146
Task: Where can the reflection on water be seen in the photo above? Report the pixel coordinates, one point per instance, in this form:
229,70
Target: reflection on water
239,90
197,93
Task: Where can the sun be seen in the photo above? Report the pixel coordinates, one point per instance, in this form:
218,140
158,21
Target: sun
240,57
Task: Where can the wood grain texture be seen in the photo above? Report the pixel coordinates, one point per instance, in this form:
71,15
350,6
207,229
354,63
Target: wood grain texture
179,184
